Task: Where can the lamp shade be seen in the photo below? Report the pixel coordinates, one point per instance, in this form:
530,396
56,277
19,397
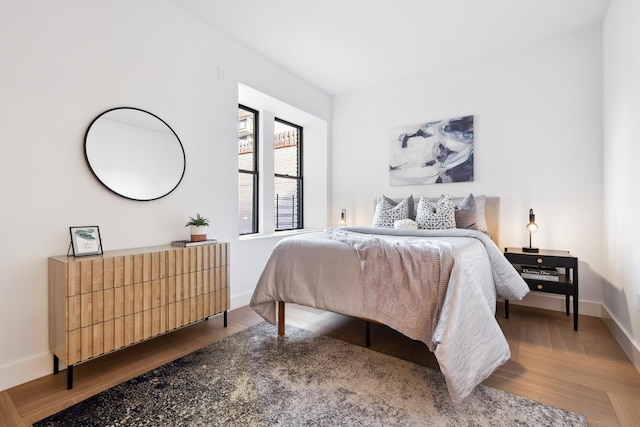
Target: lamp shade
532,226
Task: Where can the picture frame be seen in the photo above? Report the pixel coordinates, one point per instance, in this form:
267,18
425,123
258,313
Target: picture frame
85,240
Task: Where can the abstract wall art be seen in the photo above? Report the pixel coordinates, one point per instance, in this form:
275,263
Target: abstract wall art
432,152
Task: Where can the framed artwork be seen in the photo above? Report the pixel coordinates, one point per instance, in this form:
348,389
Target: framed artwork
85,240
432,152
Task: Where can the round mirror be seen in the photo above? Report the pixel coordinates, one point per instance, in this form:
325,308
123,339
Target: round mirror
134,153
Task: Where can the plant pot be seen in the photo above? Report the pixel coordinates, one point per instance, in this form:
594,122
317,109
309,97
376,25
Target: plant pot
198,233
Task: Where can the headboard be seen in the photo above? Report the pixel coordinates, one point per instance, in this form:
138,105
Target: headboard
491,213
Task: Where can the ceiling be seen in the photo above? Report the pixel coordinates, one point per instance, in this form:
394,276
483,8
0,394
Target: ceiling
343,45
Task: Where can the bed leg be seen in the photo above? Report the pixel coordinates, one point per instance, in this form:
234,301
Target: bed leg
367,334
280,317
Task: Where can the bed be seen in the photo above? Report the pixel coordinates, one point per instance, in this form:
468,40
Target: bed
438,286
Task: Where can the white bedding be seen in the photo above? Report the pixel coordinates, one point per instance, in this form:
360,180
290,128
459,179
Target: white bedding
317,270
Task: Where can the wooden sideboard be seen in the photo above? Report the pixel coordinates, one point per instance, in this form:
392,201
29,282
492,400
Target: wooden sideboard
103,303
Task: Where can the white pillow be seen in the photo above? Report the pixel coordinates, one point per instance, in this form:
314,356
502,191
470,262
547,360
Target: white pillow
440,216
387,212
405,224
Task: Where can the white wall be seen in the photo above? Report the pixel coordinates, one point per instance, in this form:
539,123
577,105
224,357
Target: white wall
621,248
65,62
538,144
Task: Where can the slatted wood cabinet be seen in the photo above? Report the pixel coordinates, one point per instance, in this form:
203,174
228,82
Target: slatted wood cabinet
101,304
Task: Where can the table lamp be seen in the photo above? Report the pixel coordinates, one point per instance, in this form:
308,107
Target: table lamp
532,227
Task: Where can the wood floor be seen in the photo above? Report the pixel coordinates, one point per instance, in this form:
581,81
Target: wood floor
584,371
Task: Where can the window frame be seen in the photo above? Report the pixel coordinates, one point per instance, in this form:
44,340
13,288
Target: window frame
298,177
255,172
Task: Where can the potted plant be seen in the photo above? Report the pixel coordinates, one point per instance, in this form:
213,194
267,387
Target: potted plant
198,228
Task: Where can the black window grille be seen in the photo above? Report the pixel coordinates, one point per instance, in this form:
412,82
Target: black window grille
287,161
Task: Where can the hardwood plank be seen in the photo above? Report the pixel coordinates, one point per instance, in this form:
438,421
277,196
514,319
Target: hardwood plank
8,414
627,408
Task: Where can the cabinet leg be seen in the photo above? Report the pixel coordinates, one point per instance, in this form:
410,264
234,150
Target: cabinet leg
506,309
567,303
225,318
56,364
69,377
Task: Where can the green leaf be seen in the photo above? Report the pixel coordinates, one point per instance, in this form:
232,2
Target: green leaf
198,221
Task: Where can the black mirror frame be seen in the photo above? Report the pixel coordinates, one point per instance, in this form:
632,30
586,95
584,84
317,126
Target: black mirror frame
184,157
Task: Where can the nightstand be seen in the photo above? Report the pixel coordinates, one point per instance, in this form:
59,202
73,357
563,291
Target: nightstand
565,283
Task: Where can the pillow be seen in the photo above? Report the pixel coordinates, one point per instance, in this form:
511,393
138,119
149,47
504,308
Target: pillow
436,217
481,220
405,224
466,213
388,211
470,213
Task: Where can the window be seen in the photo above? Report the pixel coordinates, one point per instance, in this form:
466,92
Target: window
271,202
247,170
287,162
311,135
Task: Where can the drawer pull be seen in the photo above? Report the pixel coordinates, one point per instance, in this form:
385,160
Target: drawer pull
539,260
539,286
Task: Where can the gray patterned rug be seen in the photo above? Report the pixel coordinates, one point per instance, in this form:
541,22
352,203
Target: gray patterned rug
255,378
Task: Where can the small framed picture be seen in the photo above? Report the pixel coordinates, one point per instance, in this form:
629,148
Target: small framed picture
85,240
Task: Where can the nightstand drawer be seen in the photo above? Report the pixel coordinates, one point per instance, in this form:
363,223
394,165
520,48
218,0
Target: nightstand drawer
551,287
536,259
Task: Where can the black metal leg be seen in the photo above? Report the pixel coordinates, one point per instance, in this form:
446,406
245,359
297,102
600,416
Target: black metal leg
506,309
567,304
367,326
69,377
56,364
575,296
225,318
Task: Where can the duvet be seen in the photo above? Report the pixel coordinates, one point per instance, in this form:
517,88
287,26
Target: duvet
436,286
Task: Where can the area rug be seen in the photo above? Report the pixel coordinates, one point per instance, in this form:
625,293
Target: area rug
255,378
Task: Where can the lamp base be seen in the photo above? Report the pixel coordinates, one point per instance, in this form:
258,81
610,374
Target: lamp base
530,250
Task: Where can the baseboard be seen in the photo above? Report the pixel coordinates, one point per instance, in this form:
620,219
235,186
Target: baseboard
241,300
557,303
25,370
629,346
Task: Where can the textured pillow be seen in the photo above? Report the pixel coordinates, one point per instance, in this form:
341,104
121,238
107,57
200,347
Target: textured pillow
436,217
388,211
412,212
466,213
